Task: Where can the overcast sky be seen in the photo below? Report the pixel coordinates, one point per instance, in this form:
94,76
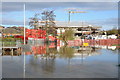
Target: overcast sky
103,14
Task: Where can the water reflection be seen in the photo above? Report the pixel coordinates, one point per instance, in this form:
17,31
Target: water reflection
66,52
11,51
52,60
52,50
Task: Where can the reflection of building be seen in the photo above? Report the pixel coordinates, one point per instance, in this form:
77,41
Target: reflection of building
83,52
111,47
37,50
41,49
106,47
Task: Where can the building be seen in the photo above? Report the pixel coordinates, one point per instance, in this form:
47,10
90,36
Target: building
79,30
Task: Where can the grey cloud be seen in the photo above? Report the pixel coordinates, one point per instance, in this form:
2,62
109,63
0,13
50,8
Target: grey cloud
17,6
58,23
11,22
12,6
111,22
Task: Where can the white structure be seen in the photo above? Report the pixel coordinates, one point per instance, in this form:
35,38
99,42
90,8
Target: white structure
112,47
100,37
112,37
59,31
0,34
105,37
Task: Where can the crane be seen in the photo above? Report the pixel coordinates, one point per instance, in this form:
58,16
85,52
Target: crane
73,11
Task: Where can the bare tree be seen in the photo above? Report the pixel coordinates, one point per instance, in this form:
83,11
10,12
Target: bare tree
34,21
48,20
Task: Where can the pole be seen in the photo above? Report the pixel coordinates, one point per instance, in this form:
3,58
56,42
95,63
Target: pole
24,25
24,43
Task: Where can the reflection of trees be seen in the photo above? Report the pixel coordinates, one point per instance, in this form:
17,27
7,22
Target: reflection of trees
50,53
48,65
66,52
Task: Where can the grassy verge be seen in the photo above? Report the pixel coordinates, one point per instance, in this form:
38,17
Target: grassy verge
116,45
11,43
10,39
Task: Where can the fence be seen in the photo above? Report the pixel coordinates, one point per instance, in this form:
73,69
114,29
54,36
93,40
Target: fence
107,42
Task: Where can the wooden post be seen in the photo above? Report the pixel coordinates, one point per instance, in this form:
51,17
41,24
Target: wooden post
3,51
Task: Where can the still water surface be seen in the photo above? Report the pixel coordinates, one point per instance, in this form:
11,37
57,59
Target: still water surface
45,61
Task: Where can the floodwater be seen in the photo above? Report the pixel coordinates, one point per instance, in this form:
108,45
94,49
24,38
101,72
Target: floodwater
53,61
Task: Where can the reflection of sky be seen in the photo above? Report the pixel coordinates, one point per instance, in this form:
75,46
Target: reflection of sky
107,55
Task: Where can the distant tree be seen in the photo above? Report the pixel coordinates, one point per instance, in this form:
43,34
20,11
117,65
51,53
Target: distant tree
34,21
112,31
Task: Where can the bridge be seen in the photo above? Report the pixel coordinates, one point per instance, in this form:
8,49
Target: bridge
9,47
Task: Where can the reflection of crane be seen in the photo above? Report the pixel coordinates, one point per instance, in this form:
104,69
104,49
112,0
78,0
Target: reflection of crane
73,11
